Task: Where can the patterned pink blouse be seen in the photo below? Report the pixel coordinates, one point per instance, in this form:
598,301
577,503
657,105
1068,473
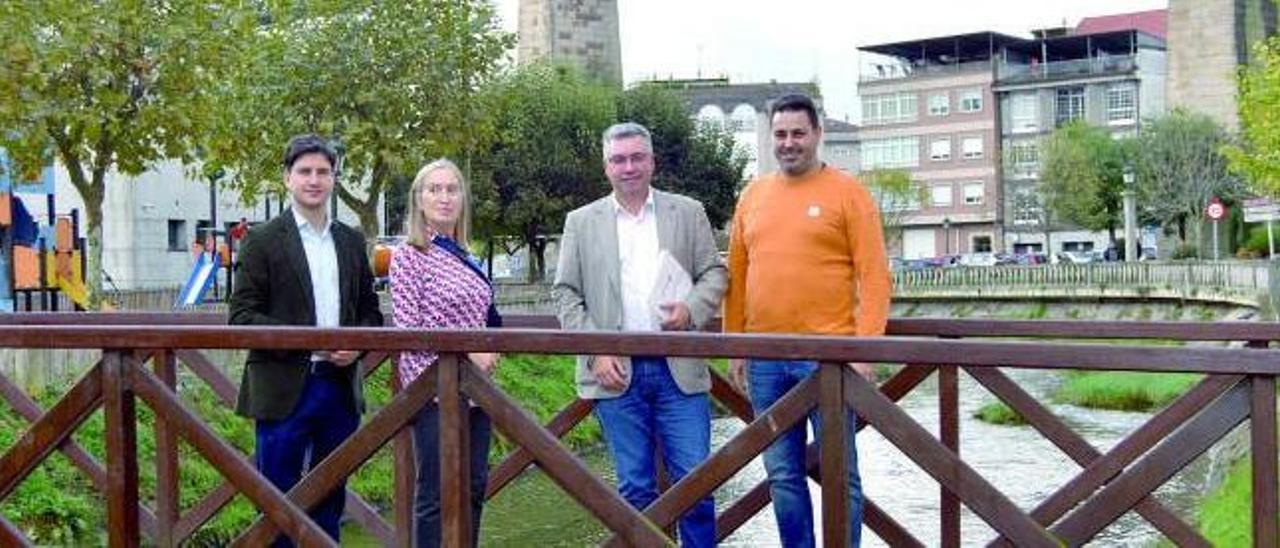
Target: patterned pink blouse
434,290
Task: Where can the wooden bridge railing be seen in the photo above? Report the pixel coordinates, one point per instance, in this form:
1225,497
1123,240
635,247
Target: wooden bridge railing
1239,385
1248,276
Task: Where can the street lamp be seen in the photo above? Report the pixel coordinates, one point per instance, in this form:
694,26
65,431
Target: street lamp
1130,216
946,235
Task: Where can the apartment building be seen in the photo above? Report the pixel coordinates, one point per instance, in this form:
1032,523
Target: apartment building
1110,79
928,107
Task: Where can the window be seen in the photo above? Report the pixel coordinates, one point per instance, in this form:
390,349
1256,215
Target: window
204,229
897,152
1122,105
941,195
940,149
1024,113
973,193
1023,158
889,108
839,151
981,244
939,104
743,118
971,100
177,235
1069,105
971,148
1027,209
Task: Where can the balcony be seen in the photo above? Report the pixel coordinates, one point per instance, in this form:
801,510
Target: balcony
1008,73
885,72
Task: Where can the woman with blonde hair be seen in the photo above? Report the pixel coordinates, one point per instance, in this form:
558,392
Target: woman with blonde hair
437,284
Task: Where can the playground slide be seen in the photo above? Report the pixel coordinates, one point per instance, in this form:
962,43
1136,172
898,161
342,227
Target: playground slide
200,280
76,292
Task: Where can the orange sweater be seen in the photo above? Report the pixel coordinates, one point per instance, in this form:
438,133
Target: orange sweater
806,255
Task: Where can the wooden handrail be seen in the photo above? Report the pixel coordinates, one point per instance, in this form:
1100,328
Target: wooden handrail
1240,386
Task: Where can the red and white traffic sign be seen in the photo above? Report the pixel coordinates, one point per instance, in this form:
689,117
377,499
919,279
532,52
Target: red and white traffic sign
1215,211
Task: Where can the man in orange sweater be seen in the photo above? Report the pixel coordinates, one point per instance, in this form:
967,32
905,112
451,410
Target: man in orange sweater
806,255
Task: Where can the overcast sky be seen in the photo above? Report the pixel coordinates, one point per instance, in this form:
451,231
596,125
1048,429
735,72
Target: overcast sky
756,41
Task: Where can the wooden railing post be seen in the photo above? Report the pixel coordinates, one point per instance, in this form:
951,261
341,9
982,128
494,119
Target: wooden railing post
1262,427
167,484
405,476
122,451
949,434
455,463
834,464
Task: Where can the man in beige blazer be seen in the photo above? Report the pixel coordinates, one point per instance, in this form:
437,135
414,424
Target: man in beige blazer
610,261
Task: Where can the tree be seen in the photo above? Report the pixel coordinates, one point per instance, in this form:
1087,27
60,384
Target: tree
1082,177
698,160
1181,166
395,84
1259,157
545,160
112,86
896,195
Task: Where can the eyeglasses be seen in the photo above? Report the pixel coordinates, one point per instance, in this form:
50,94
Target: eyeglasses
620,159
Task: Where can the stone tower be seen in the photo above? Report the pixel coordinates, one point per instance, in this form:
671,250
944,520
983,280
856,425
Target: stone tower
1208,41
581,32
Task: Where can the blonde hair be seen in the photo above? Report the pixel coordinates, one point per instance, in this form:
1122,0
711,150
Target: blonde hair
416,221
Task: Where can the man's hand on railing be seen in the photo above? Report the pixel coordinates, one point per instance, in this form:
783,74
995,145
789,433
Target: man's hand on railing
608,372
738,373
343,358
486,361
867,371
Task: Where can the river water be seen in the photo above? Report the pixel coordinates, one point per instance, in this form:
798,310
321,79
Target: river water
1020,463
1016,459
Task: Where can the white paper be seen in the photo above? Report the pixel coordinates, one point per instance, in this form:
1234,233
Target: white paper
671,284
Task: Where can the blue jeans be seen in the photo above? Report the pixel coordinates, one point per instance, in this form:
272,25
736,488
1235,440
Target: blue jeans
784,459
654,409
324,417
426,500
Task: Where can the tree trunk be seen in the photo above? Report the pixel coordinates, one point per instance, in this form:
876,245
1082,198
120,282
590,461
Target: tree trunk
537,263
93,266
366,210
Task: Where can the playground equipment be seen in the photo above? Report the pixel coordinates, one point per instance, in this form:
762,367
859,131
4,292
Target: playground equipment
37,260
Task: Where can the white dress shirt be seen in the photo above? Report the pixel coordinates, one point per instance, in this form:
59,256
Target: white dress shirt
638,264
322,262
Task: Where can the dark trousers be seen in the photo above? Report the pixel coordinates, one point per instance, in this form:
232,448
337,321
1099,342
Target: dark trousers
323,418
426,501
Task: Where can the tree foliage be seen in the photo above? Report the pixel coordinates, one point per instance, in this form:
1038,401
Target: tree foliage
1258,159
1082,176
1181,166
896,195
546,159
395,84
112,86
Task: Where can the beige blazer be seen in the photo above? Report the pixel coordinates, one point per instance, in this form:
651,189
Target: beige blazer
587,286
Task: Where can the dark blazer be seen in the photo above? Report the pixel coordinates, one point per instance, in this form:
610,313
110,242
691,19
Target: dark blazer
273,287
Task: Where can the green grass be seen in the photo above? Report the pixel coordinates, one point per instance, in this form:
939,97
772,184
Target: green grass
1123,390
1225,516
999,413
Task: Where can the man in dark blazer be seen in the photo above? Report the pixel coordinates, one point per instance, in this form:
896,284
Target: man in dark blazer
303,268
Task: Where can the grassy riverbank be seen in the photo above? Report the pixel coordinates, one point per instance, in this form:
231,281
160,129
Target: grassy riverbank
1225,516
57,505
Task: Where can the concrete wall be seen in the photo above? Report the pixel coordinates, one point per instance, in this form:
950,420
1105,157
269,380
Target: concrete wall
1203,56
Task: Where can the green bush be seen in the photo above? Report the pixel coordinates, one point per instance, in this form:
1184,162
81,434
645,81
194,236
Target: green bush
999,413
1185,251
1256,241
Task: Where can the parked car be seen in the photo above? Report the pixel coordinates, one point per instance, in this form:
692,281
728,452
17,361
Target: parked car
1076,257
978,259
